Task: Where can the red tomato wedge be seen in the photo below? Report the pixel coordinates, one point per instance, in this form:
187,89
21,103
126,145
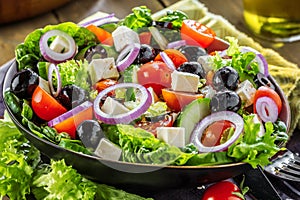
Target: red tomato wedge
176,56
264,91
45,106
105,83
155,74
223,190
178,100
68,121
145,37
102,35
196,33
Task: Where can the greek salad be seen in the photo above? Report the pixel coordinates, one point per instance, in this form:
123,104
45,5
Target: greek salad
147,91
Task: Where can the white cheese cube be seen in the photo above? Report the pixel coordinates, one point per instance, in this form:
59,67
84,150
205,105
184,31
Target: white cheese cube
184,81
102,68
108,150
246,91
113,107
257,120
172,135
124,36
59,45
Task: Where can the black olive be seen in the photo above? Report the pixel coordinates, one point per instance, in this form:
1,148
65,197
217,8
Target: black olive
72,96
226,78
95,52
193,68
24,83
225,100
159,24
261,80
146,54
192,53
90,133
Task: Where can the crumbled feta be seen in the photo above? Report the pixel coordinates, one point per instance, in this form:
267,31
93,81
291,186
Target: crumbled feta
172,135
124,36
184,81
108,150
113,107
246,91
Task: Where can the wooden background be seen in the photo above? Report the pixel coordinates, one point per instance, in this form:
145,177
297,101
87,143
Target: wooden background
14,33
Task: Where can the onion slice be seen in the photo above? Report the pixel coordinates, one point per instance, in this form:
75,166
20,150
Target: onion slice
100,20
167,60
200,128
127,56
266,109
260,59
159,38
53,67
146,100
70,113
176,44
56,57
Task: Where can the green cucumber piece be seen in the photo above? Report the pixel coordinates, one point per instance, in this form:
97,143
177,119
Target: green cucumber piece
192,114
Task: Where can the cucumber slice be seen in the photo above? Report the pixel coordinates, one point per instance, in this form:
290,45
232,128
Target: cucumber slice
192,114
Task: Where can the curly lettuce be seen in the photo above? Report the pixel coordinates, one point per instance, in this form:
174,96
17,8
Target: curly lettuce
139,18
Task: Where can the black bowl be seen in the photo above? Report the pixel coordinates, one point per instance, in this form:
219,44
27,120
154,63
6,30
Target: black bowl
132,176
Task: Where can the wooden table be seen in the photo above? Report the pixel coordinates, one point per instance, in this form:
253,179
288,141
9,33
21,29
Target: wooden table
14,33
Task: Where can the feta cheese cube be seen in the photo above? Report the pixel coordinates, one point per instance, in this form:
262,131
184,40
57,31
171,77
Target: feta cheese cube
124,36
113,107
172,135
184,81
108,150
102,68
59,45
246,91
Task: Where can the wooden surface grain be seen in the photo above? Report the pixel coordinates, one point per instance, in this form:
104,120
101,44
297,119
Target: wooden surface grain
76,10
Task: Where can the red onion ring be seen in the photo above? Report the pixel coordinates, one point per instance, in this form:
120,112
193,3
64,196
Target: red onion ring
127,56
266,109
233,117
167,60
125,118
70,113
260,59
55,57
99,21
176,44
53,67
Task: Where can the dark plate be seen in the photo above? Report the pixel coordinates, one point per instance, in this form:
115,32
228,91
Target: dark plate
134,176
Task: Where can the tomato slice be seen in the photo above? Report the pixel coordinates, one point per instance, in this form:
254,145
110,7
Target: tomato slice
69,125
102,35
178,100
155,74
222,190
264,91
214,132
196,33
176,56
105,83
145,37
45,106
149,126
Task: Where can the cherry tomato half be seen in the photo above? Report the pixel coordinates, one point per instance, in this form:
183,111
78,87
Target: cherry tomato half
149,126
155,74
45,106
223,190
176,56
196,33
264,91
105,83
214,132
176,101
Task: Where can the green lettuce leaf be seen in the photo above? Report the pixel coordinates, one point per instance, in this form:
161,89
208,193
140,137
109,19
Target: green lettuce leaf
176,17
139,18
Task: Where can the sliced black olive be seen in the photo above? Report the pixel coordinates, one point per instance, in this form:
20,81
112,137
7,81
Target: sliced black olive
193,68
146,54
261,80
192,53
225,101
90,133
226,78
72,96
24,83
95,52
